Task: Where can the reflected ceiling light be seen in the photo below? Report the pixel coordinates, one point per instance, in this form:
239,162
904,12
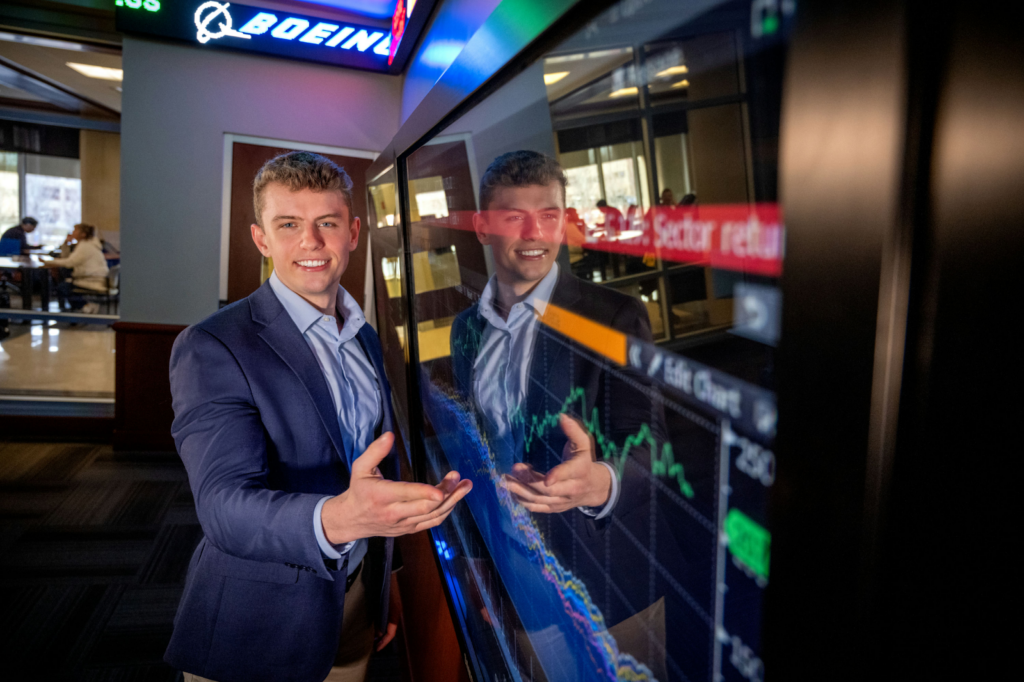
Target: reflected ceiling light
625,92
601,54
681,84
102,72
565,58
672,71
552,78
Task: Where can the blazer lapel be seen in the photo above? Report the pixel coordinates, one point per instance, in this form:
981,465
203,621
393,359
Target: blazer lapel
551,345
281,334
372,350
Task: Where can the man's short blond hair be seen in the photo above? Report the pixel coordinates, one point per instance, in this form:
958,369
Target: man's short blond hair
298,171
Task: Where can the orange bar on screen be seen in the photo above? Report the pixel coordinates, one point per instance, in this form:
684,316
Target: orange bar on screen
598,338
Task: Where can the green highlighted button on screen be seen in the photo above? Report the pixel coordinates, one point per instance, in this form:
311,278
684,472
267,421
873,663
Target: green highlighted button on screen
748,542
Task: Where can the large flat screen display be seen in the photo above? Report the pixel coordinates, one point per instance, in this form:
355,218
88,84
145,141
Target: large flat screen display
586,290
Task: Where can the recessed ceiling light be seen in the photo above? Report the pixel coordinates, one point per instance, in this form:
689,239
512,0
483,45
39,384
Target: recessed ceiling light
625,92
552,78
102,72
681,84
673,71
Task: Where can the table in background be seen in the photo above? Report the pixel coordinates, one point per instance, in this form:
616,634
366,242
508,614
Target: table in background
32,268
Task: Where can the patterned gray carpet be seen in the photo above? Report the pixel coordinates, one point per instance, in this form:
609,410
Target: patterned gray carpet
93,551
94,545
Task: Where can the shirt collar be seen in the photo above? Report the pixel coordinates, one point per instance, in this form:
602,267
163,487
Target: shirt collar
304,315
537,300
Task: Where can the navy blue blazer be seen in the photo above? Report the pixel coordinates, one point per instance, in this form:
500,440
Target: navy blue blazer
255,425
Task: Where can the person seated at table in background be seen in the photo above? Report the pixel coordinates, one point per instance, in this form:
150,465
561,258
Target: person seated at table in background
668,198
88,270
614,223
27,225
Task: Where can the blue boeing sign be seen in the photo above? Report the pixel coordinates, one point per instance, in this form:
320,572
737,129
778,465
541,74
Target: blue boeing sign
255,29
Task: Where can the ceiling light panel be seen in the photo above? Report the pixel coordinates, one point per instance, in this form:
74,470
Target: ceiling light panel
673,71
625,92
552,78
102,72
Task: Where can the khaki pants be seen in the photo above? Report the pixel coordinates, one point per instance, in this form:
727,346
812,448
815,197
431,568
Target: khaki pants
356,641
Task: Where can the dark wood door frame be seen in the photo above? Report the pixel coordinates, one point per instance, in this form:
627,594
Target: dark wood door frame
240,260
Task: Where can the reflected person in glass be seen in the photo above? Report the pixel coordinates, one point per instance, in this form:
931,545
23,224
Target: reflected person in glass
518,372
556,414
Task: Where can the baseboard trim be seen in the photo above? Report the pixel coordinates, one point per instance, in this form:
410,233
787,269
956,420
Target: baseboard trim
57,429
148,441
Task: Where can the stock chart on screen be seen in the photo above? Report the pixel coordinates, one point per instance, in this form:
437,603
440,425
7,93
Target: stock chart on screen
593,253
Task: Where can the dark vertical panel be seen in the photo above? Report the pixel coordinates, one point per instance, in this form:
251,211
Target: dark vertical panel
432,645
142,400
947,571
841,162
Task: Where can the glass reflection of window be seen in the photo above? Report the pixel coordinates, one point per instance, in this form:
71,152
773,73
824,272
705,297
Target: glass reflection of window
8,189
437,269
428,198
435,338
584,190
432,204
384,209
657,123
392,269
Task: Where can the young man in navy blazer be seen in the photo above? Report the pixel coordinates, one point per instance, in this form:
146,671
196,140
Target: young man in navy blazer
283,420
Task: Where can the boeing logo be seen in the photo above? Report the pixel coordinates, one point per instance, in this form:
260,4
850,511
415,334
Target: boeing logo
213,22
204,18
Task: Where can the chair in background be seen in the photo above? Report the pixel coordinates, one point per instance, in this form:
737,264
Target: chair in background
10,247
109,296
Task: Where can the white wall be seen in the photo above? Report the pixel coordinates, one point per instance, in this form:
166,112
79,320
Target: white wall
178,102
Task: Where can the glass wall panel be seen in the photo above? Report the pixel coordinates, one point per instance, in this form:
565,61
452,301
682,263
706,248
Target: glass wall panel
595,255
386,257
53,196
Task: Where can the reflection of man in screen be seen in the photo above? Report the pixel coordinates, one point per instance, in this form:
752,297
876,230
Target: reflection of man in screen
513,367
538,393
519,372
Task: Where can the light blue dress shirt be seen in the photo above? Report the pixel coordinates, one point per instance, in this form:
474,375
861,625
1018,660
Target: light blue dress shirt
351,380
501,374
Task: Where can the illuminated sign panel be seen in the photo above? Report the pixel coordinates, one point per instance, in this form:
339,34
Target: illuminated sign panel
409,19
398,23
255,29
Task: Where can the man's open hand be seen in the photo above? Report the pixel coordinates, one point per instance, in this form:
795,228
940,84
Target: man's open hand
374,506
579,481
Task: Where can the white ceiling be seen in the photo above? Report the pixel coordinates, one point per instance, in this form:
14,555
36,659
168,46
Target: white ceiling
51,63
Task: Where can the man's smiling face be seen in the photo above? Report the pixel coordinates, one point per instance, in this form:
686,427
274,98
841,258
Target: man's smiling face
524,226
310,237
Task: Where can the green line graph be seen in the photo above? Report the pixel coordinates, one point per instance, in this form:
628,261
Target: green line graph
663,461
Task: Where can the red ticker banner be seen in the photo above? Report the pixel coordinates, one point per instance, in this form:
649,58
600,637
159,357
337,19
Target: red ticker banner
740,237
